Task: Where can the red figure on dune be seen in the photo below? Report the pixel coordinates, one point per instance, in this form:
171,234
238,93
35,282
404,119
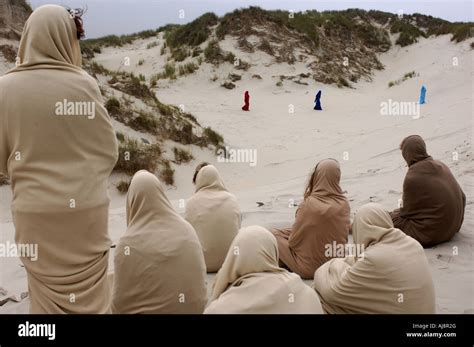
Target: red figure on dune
247,101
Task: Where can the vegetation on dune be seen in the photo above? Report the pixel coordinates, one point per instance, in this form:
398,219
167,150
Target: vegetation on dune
408,32
144,122
213,52
193,33
153,44
169,71
134,156
408,75
182,155
112,105
462,31
310,24
123,186
179,54
187,69
214,137
91,46
4,180
411,27
9,52
167,173
25,5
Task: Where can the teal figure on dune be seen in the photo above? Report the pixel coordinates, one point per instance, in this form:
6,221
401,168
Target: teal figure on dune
317,102
422,95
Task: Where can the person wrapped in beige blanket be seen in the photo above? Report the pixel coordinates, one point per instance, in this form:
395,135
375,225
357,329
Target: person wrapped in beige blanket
321,220
159,265
58,146
215,215
251,282
391,276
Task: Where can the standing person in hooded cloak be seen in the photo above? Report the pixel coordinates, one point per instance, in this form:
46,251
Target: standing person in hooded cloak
317,102
422,95
246,106
59,164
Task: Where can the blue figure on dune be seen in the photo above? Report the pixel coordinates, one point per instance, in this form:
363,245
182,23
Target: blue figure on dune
317,101
422,95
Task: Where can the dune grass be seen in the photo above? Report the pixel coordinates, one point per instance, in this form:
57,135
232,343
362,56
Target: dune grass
405,77
134,156
193,33
182,156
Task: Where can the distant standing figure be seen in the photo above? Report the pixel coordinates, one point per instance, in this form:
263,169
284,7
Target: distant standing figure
317,101
246,101
422,95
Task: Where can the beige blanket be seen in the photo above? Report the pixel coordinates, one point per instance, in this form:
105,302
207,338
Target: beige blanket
59,159
250,280
159,265
215,215
321,219
393,276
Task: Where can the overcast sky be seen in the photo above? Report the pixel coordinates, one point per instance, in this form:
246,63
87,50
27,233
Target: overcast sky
127,16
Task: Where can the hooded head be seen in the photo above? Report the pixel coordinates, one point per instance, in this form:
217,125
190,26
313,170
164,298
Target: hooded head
253,250
146,200
413,149
49,40
208,178
325,179
371,224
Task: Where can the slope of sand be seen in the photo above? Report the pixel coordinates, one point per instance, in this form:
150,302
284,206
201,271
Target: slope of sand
290,144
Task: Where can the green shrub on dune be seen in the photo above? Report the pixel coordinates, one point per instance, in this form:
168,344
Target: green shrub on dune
194,33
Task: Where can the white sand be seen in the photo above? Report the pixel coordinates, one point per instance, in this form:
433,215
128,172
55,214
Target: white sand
289,145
